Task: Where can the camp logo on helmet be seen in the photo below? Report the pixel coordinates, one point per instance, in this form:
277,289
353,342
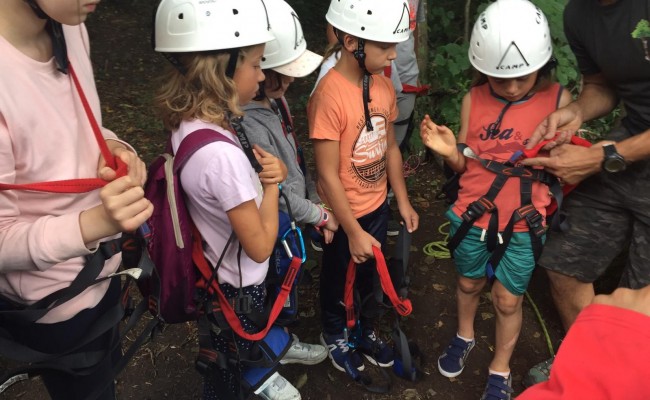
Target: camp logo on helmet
509,67
405,12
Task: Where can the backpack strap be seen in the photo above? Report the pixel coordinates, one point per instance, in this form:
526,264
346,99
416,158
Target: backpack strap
193,142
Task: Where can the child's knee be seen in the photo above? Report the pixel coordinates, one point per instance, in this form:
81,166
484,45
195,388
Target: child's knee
506,303
470,286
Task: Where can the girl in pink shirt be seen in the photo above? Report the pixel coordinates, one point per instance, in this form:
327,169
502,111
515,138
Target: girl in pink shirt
44,237
215,71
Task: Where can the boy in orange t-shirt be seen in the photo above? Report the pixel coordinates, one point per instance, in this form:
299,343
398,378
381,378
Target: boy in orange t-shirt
351,116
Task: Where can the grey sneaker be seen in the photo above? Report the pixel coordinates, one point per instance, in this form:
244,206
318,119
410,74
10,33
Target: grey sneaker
278,388
303,353
539,373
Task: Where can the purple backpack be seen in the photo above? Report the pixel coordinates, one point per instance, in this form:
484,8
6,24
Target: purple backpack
172,290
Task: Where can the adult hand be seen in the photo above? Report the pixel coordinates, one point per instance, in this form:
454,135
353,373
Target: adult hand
411,218
571,163
137,169
274,171
438,138
558,127
361,246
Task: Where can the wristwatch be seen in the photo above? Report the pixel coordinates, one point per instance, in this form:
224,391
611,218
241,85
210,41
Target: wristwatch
325,219
613,161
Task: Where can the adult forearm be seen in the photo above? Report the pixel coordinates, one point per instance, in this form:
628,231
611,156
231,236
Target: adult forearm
596,99
635,148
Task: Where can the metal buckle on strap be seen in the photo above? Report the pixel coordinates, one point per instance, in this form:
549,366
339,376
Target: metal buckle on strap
478,208
533,219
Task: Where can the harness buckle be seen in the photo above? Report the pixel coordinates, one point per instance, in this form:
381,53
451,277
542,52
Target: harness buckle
477,208
243,304
533,219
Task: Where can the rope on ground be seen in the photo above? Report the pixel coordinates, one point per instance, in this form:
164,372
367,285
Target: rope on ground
439,250
542,324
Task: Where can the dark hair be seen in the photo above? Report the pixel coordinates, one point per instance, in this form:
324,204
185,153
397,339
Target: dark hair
545,76
270,76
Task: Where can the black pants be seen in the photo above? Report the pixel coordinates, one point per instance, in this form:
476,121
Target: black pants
336,257
55,338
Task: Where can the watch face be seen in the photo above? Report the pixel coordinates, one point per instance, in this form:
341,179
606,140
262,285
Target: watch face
614,164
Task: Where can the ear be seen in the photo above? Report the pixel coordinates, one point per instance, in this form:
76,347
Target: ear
350,42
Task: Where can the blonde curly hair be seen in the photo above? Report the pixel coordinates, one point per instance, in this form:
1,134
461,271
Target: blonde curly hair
204,92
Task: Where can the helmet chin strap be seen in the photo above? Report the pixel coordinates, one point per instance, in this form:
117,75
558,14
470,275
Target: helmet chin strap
360,56
55,30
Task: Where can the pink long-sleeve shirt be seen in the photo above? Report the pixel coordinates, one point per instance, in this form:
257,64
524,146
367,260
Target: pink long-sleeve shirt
45,135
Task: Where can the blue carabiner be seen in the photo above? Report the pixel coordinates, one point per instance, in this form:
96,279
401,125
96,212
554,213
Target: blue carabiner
298,235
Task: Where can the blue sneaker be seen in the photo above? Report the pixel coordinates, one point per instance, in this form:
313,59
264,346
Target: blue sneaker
341,355
375,350
498,388
452,362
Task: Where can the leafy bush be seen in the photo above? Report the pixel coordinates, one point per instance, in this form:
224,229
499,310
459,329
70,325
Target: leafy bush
450,71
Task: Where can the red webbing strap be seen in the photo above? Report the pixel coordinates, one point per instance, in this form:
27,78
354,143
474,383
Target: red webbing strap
576,140
566,188
231,317
418,90
84,184
402,306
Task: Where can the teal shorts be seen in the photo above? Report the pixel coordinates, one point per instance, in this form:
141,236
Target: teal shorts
471,257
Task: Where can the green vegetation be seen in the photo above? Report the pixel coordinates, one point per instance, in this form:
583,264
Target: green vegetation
642,30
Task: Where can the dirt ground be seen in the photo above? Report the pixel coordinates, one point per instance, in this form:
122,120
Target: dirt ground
164,369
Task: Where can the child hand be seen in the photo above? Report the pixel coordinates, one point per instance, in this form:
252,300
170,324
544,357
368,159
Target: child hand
438,138
124,204
361,246
137,170
332,223
328,236
410,217
274,171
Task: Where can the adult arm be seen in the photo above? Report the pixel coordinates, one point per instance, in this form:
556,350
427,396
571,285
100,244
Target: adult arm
573,163
596,99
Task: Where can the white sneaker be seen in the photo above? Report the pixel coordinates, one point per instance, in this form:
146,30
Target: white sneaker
303,353
278,388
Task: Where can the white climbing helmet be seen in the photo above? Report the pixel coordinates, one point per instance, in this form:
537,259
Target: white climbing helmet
288,53
202,25
510,39
378,20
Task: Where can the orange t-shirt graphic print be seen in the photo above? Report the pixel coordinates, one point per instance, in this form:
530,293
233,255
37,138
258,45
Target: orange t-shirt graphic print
336,113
